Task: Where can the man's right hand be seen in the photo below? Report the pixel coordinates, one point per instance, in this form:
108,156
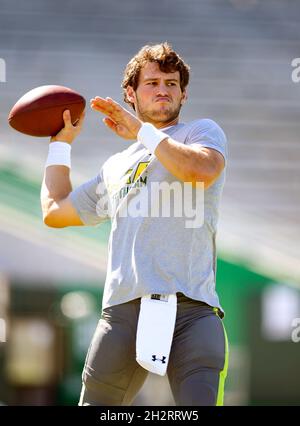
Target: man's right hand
69,132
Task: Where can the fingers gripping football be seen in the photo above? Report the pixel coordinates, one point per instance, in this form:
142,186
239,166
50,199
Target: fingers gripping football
69,132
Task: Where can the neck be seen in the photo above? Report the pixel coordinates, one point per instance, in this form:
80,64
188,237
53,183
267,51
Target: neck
166,124
160,124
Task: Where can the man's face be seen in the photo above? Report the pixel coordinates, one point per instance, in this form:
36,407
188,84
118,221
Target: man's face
158,97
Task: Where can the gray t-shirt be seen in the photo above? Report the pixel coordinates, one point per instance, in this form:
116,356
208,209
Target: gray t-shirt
157,250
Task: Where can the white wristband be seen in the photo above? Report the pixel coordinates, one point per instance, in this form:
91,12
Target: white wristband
59,154
150,137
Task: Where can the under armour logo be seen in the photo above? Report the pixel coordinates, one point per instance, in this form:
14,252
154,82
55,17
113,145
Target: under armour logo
163,360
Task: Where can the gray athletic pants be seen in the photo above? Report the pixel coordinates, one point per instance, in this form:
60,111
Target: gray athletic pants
197,364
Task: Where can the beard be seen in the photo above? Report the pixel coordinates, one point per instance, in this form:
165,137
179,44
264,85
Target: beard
165,114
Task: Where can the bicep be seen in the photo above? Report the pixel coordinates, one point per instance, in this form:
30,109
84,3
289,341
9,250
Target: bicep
214,160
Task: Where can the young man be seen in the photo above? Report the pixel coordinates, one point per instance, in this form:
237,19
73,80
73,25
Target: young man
152,257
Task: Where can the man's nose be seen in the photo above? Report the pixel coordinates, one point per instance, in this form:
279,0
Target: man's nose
162,89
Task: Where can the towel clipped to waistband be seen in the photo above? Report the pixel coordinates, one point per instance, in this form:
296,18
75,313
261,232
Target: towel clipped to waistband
155,331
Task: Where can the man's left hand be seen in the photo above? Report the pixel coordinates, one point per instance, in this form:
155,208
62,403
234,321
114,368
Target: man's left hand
118,119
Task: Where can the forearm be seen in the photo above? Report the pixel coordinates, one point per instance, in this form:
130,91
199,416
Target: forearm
187,163
55,187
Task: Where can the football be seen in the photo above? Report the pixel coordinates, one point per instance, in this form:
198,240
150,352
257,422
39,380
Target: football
40,111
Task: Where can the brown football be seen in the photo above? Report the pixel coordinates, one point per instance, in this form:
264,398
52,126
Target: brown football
39,112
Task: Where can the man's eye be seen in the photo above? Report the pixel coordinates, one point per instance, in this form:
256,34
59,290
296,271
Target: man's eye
151,83
171,84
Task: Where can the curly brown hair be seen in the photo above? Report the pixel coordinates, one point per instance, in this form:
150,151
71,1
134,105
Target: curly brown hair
166,58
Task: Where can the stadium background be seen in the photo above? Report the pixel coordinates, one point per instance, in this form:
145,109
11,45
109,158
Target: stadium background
51,282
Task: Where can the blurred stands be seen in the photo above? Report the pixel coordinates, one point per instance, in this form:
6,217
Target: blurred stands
240,52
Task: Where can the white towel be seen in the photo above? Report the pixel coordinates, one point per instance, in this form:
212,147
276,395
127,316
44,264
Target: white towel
155,331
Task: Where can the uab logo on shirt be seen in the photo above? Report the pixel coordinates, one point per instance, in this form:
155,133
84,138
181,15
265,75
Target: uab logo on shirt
134,179
159,199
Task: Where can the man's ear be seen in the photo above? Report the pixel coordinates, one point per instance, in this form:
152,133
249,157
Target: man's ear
184,97
130,94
